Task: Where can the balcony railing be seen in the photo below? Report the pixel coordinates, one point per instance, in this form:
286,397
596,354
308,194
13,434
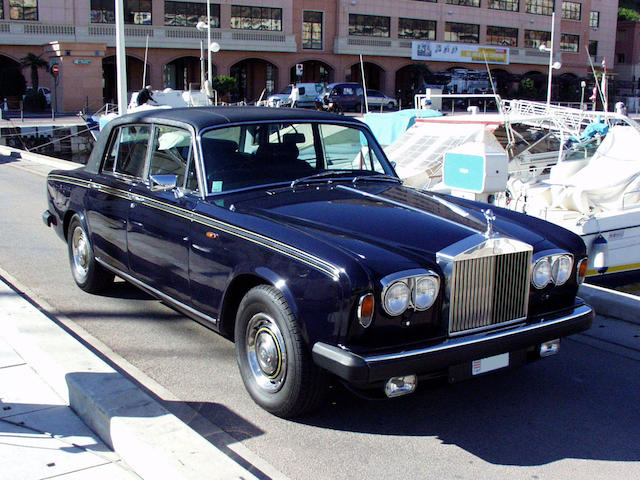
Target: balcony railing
402,48
33,33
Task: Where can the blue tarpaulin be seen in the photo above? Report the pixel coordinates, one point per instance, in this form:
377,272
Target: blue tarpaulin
388,127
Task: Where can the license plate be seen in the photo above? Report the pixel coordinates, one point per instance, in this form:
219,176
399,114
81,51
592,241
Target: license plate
490,363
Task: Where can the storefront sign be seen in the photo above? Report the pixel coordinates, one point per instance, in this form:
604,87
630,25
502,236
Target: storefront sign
459,52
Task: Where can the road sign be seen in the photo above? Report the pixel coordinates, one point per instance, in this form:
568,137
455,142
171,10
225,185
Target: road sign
299,68
55,69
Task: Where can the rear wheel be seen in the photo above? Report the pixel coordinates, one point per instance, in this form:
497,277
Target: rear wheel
87,273
274,362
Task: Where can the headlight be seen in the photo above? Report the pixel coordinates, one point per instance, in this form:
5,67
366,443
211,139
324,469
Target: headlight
541,275
561,269
425,292
396,298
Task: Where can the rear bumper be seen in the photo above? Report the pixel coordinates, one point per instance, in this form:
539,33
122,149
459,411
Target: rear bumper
362,370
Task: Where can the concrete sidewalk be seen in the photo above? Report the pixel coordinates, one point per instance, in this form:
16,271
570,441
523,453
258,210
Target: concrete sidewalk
40,435
50,384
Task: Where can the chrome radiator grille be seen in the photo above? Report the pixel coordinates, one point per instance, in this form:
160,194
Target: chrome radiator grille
488,290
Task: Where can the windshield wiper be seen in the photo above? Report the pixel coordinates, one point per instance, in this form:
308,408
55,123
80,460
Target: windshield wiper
320,175
378,177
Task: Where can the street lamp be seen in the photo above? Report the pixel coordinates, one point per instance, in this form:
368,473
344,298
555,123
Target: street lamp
552,65
583,84
211,46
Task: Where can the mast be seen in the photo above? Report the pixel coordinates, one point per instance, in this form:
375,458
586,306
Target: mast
121,62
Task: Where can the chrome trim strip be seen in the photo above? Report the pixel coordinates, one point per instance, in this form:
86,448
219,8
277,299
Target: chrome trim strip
457,342
270,243
157,293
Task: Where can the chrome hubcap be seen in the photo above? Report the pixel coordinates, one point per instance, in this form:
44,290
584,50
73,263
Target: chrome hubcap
80,253
265,352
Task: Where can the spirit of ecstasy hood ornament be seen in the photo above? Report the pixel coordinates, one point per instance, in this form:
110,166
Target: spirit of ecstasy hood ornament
489,216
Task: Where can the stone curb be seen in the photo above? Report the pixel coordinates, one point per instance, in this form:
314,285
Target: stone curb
611,303
152,441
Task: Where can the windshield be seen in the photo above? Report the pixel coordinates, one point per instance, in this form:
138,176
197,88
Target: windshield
266,154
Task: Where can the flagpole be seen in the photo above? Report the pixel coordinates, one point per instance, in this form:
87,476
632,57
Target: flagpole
553,28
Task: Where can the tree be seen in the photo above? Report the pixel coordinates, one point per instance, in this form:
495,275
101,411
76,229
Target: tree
223,84
33,62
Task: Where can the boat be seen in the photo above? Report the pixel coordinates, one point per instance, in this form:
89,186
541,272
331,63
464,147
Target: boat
575,168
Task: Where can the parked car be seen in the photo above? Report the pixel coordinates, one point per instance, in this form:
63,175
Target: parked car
296,95
43,90
289,232
377,99
340,97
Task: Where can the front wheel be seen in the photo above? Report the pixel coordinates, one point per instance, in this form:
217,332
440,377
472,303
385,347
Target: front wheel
87,273
274,362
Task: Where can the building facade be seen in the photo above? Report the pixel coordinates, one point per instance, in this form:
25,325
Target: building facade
262,41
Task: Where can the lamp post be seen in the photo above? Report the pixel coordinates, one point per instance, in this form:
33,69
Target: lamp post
552,65
583,84
212,47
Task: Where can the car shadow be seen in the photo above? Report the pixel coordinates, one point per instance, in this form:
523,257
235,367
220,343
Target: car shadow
571,406
11,158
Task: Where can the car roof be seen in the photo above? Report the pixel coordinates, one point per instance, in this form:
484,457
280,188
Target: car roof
200,118
204,117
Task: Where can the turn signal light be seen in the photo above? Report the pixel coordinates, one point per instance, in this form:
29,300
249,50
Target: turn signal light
582,270
365,309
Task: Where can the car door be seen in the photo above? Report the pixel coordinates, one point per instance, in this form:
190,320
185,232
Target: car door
160,214
108,198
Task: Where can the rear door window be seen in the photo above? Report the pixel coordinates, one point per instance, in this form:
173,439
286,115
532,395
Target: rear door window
171,152
128,153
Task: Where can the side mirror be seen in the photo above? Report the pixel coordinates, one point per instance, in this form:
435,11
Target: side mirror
162,183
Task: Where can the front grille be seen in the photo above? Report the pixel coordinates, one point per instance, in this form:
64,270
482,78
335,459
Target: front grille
488,289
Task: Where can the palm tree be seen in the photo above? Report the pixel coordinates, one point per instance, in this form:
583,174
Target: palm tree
34,62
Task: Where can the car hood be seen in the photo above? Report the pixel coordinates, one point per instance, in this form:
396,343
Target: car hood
370,217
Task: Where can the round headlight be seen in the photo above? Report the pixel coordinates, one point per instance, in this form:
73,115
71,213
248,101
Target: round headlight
425,292
396,298
561,269
541,275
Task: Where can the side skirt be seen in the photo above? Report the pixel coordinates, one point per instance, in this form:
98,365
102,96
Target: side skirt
198,316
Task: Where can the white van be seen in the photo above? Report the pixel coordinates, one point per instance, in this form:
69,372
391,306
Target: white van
298,95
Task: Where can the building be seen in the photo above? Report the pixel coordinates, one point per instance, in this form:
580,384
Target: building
263,41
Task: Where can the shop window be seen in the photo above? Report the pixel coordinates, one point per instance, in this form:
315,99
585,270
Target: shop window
506,36
571,11
539,7
256,18
23,10
369,25
569,43
508,5
416,28
312,30
461,32
535,38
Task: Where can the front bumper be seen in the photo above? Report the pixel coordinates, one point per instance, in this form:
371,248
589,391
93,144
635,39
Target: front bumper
48,218
362,370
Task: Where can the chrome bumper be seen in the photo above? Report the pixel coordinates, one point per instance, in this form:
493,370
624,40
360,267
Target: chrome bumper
361,370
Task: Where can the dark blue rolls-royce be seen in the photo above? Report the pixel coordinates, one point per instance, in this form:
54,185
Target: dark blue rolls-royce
289,232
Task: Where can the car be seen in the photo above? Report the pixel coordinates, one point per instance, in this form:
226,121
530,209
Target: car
289,232
46,93
377,99
296,95
340,97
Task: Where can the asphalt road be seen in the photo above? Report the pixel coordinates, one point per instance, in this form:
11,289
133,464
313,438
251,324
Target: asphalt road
574,415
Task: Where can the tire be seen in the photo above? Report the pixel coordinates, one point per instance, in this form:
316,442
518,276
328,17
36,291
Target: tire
87,273
274,361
